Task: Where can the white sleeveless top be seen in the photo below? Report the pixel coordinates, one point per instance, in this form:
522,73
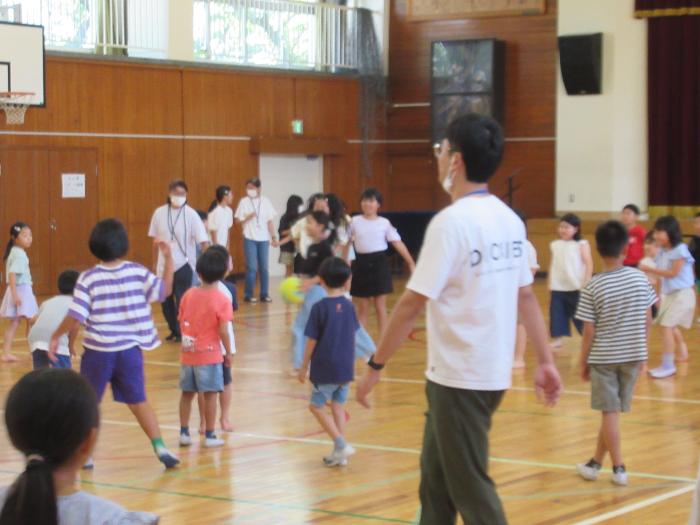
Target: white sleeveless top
567,270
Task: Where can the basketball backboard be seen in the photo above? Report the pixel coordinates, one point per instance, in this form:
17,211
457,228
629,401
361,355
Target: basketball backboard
22,60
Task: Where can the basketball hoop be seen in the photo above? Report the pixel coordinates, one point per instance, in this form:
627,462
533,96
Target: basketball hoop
15,105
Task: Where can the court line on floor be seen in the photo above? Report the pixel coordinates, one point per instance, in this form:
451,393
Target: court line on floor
636,506
412,451
268,504
679,400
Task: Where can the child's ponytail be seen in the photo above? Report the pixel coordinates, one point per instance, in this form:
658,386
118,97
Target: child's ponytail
32,497
15,230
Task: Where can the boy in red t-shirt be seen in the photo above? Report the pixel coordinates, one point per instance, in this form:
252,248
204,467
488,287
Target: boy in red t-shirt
635,248
204,316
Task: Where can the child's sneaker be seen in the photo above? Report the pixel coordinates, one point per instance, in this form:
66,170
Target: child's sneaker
167,458
212,442
185,440
589,471
89,464
662,372
619,476
339,457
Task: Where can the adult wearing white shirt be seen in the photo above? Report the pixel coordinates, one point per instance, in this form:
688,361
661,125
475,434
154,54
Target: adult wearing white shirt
474,276
220,218
181,225
255,212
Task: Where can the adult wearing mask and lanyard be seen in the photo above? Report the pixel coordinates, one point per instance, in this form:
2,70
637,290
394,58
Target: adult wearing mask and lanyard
255,212
181,224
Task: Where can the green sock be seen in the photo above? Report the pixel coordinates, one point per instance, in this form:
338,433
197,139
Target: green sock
157,443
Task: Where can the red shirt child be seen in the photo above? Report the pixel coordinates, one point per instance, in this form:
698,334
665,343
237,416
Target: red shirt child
635,248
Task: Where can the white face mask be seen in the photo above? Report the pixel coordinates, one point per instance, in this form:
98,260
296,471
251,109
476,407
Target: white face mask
301,208
178,200
252,193
447,183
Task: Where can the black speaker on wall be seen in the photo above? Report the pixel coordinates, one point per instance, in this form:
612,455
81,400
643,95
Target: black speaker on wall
581,58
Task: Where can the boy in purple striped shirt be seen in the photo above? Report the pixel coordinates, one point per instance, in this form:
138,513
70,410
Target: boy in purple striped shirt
112,300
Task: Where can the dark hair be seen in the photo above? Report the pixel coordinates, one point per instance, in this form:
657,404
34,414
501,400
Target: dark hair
255,182
480,141
697,215
221,192
574,221
321,217
293,203
337,209
633,208
312,200
521,215
179,183
370,194
15,230
66,282
49,414
202,214
611,237
649,237
109,240
335,272
212,266
669,224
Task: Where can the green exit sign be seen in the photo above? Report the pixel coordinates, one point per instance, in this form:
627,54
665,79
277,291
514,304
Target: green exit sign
298,127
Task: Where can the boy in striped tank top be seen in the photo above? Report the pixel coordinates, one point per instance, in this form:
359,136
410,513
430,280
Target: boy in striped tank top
615,308
113,300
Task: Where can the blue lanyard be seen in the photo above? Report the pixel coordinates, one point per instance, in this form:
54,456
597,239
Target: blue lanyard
484,191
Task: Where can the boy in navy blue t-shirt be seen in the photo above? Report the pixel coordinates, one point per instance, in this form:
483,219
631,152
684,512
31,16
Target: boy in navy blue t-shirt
330,349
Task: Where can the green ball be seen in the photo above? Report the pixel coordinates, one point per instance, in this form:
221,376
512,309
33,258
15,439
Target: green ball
290,290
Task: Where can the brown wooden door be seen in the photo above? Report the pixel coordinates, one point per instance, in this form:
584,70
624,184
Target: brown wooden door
72,219
24,196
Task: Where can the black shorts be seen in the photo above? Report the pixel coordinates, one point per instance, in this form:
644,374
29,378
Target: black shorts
371,275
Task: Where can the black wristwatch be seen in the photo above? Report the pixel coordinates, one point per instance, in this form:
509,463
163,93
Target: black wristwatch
375,366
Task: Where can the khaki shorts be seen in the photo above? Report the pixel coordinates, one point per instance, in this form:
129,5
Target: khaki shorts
612,386
677,309
286,258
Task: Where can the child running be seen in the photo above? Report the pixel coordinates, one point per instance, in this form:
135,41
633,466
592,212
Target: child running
675,267
113,300
571,268
51,314
56,442
205,314
615,310
330,352
19,301
371,272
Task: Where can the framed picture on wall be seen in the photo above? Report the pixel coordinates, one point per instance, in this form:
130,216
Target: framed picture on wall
466,77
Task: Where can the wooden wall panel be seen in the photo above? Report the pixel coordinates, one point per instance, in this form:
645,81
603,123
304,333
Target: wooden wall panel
530,91
127,100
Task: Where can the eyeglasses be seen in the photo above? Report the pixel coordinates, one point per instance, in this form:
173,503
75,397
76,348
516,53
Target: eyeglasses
437,149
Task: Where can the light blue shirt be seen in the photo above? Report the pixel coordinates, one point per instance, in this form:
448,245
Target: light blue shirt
686,277
18,263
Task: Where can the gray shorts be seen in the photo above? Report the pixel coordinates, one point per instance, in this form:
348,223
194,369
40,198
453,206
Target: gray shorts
612,386
201,378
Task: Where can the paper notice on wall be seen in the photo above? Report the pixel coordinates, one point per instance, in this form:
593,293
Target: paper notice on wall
73,185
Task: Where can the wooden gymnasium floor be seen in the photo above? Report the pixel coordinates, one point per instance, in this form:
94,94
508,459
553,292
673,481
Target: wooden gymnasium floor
270,470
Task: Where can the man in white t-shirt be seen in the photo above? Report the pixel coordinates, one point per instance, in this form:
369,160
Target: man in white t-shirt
179,223
255,212
474,276
220,218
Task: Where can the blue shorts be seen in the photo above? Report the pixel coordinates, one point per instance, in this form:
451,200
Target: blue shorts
227,375
40,358
123,369
201,378
321,394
